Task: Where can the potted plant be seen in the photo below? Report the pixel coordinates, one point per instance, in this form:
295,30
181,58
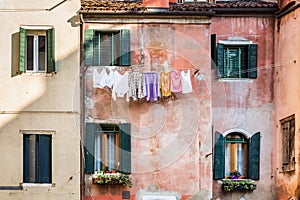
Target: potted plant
235,174
229,185
112,179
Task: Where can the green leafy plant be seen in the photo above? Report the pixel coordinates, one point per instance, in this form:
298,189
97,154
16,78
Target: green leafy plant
238,185
114,178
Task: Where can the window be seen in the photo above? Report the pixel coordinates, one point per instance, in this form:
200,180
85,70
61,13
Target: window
237,61
107,146
180,1
36,50
36,158
107,48
288,143
236,152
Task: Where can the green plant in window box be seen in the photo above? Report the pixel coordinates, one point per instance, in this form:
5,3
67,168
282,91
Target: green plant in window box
229,185
113,179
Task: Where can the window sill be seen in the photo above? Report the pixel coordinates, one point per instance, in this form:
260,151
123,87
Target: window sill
236,80
38,74
37,185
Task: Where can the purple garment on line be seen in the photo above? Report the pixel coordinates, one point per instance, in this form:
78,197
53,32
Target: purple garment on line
152,90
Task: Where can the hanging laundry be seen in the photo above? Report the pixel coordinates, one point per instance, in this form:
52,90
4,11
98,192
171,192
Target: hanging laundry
176,81
152,90
107,77
186,82
121,87
136,85
165,84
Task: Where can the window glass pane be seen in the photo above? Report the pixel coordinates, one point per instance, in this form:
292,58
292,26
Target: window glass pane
116,49
42,53
106,49
29,53
227,159
111,151
235,63
97,154
30,153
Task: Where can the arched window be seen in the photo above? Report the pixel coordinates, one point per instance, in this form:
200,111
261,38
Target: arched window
236,152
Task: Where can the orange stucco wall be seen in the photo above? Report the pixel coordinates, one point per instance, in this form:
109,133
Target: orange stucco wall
287,98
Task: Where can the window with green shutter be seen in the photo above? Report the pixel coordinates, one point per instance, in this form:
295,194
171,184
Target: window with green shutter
107,147
235,152
37,158
237,61
37,52
107,48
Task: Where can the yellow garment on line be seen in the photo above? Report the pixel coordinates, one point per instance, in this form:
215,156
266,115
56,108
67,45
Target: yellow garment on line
165,84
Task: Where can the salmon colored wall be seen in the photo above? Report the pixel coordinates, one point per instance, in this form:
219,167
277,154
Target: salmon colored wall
247,104
166,134
287,98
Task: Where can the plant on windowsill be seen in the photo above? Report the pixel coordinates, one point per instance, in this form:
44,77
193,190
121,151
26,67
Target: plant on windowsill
229,185
235,174
112,179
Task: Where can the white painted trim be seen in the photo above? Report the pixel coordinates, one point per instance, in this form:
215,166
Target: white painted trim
44,132
36,27
237,130
235,41
37,185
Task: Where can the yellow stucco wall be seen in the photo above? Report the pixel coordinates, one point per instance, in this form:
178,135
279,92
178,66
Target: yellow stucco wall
40,102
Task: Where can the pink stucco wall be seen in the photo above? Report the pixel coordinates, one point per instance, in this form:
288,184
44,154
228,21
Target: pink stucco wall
170,137
287,90
247,105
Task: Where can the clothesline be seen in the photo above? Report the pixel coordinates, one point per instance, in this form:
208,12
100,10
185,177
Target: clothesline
147,84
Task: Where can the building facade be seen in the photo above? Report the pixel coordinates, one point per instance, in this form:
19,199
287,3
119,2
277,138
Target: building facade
286,98
181,143
40,112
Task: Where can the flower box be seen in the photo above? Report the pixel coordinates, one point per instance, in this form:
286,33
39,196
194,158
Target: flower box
112,179
243,185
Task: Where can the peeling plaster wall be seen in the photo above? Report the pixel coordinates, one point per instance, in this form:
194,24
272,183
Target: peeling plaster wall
167,135
247,104
287,99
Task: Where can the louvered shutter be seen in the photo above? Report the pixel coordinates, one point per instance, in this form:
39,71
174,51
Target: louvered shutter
44,158
89,148
220,60
50,50
252,61
213,51
97,50
253,161
125,47
219,157
22,50
88,47
125,148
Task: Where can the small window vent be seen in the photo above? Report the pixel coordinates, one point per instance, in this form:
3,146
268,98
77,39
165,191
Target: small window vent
180,1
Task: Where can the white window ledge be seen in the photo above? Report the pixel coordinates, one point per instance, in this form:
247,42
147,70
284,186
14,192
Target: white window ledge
236,80
38,74
37,185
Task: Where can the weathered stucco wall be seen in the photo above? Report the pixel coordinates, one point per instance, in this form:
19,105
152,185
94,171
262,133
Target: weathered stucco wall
247,104
167,135
39,102
287,99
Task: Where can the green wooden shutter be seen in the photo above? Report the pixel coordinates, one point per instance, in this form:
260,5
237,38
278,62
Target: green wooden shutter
96,49
253,161
213,51
26,145
252,61
89,148
22,50
219,157
220,60
44,159
50,50
88,47
125,47
125,148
